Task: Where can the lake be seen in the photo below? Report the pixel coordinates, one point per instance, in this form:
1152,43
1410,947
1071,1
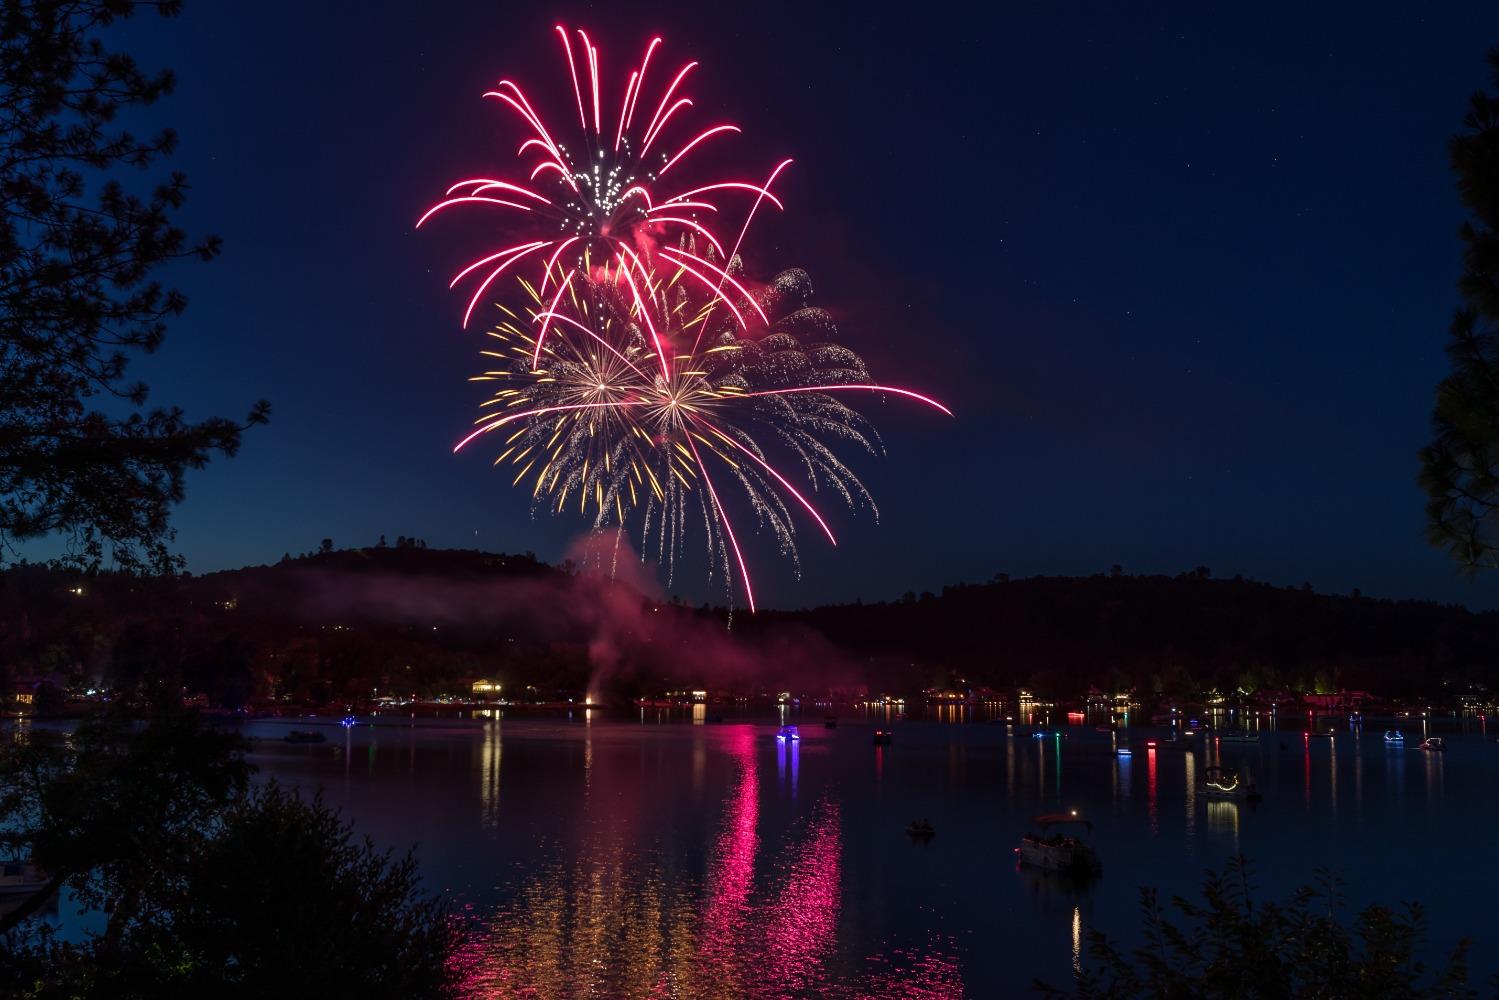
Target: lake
649,856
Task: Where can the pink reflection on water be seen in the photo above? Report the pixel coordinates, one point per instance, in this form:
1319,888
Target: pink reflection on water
909,975
609,919
1150,787
803,920
731,875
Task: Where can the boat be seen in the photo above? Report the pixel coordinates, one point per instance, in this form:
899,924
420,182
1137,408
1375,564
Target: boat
21,878
1221,783
921,830
1394,736
305,736
1239,737
788,734
1039,734
1059,852
830,722
1123,752
349,722
882,737
1433,743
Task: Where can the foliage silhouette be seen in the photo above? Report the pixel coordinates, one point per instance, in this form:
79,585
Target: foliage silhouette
1229,946
209,886
78,251
1460,467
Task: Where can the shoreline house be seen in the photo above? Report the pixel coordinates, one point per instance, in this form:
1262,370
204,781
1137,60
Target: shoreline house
21,695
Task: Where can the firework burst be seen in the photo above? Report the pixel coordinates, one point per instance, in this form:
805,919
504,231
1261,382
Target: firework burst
618,192
633,397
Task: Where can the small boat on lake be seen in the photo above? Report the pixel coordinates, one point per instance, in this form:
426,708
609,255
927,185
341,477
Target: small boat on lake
788,734
1221,783
21,878
1394,737
882,737
305,736
1433,743
921,830
1059,852
1240,736
1123,752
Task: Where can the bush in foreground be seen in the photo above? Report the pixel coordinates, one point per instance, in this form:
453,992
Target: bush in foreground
1229,946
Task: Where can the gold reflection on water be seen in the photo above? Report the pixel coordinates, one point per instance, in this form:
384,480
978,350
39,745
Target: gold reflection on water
1189,758
613,920
1077,941
489,749
1223,817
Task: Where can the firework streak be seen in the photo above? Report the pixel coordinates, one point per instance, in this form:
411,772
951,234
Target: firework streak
638,378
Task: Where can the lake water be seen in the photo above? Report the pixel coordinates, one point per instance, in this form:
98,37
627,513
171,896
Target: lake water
646,858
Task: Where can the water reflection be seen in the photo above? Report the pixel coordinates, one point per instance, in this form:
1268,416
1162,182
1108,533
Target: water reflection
1434,762
610,922
1077,941
490,750
1223,818
1332,775
702,861
803,919
1150,786
1190,760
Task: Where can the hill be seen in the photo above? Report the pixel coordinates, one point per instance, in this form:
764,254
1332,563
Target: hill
348,624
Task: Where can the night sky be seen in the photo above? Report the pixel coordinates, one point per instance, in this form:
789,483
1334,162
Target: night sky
1184,277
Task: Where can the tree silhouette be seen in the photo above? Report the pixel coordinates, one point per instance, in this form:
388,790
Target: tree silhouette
1233,945
1460,468
207,886
78,251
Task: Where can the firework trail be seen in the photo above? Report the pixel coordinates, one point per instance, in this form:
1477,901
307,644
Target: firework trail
615,195
642,380
632,398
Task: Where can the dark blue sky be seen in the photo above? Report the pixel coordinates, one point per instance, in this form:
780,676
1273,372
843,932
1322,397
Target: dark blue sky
1184,276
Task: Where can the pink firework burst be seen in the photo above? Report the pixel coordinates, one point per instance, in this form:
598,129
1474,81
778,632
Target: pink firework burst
620,194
